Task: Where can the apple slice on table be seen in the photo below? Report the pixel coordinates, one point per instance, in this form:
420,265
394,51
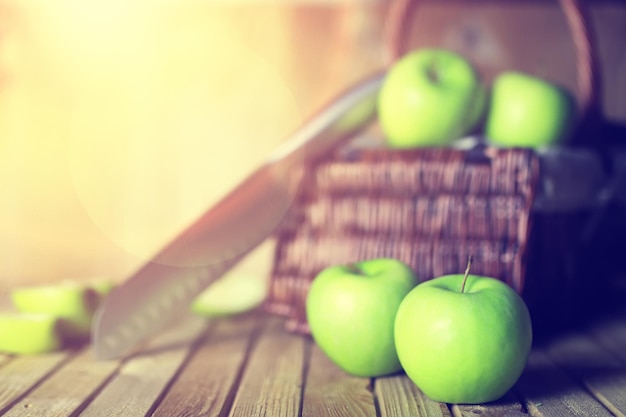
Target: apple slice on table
351,311
102,286
233,294
75,302
463,339
529,112
29,334
430,97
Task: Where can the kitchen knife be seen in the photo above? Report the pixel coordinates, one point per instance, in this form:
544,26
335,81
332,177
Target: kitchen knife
162,289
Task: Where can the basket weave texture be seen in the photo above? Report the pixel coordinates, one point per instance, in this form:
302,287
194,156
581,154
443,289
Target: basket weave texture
430,208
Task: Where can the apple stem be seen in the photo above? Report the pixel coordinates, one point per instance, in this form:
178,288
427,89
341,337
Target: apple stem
467,271
432,73
353,268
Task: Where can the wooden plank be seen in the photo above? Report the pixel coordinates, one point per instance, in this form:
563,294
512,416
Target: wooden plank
507,406
208,382
21,374
399,396
4,358
271,383
141,381
603,374
329,391
67,390
611,334
550,392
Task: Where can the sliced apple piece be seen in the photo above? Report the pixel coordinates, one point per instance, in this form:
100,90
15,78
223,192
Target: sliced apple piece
30,333
75,302
233,294
102,286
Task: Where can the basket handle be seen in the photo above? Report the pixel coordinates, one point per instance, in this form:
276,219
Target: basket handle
398,25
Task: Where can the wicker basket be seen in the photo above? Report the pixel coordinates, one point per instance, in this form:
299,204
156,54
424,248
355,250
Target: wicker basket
433,207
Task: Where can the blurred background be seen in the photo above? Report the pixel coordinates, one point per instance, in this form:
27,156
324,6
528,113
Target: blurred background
122,121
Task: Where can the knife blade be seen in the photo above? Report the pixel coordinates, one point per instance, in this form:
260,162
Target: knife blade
160,291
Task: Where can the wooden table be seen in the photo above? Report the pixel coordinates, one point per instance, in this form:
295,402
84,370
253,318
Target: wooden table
250,366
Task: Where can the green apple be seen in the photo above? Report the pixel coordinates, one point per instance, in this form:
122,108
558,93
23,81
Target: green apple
430,97
528,112
233,294
73,301
28,334
463,339
351,310
102,286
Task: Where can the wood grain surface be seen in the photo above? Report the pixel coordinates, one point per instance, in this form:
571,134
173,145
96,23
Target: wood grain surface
251,366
